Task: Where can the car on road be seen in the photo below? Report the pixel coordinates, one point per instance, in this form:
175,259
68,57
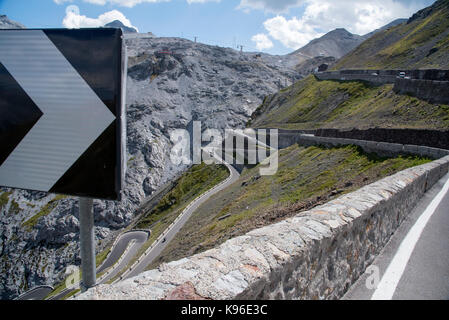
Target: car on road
401,75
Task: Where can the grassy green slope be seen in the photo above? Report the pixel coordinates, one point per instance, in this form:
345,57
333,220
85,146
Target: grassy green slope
195,181
311,104
306,177
408,45
191,184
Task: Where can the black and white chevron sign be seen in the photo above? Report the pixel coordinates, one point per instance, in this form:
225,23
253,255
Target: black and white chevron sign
62,111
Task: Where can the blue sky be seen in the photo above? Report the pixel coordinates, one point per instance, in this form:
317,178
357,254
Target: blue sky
273,26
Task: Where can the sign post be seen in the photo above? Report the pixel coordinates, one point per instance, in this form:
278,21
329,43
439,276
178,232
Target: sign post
62,118
87,244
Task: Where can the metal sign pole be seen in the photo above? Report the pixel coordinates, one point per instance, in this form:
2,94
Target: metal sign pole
87,243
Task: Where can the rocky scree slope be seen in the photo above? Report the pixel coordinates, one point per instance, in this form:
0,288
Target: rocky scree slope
170,82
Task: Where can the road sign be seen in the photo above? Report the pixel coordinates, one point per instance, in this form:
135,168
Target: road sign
62,111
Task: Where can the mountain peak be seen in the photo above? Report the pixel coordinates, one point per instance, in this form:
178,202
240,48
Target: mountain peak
339,30
119,24
335,43
6,23
424,13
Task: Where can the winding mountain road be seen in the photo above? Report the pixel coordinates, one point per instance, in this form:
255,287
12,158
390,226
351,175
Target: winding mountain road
168,235
123,250
129,243
37,293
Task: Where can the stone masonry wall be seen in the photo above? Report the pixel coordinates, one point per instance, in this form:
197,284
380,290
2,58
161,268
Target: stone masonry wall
422,137
317,254
428,90
428,85
368,77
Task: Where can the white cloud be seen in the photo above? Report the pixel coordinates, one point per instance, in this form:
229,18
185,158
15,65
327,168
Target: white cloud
73,19
276,6
130,3
99,2
201,1
291,33
321,16
262,41
123,3
61,1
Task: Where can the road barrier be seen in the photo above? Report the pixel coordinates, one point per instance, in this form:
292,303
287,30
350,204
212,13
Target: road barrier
428,85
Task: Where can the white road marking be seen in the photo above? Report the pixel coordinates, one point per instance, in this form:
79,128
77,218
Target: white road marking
387,286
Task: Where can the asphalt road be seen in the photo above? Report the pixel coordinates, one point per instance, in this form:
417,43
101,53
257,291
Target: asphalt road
134,239
37,293
161,244
415,262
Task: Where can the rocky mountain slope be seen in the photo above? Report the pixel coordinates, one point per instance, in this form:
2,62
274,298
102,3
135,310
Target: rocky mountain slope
170,82
335,43
386,27
313,104
422,42
6,23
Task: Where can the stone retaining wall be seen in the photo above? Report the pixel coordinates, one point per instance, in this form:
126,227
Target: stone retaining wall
425,74
428,90
290,137
422,137
381,148
317,254
368,77
428,85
